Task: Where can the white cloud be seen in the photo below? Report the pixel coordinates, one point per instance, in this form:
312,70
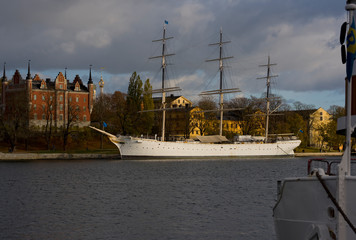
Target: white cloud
94,37
306,54
193,16
68,47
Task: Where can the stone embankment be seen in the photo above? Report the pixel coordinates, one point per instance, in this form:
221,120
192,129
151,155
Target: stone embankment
318,154
55,156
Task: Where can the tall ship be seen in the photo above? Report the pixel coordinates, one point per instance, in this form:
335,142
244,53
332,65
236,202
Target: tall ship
205,146
321,205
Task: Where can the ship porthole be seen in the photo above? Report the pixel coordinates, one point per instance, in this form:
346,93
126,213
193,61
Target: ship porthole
331,212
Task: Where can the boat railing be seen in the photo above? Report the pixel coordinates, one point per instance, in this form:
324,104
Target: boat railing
327,164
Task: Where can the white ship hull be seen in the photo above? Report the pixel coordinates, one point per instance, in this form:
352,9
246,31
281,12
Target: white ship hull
137,147
304,210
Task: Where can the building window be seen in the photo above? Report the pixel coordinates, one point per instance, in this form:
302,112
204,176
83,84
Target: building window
61,117
50,98
35,116
70,99
43,107
43,97
321,113
34,97
50,107
34,106
84,99
43,117
84,108
321,118
61,98
60,86
61,107
77,99
84,118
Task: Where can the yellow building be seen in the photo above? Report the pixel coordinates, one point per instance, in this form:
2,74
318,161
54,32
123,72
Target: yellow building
184,121
177,117
317,121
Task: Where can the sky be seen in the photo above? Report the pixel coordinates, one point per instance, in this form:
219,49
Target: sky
115,37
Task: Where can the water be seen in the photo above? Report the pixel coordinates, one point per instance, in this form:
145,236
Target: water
172,199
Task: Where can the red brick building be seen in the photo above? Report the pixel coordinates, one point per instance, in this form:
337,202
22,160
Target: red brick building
57,101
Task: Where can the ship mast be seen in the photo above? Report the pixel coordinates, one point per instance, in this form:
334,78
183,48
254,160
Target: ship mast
268,83
163,90
220,91
344,168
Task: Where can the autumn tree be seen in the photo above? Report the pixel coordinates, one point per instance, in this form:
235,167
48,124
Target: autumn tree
101,113
335,140
305,110
14,122
206,116
249,114
120,117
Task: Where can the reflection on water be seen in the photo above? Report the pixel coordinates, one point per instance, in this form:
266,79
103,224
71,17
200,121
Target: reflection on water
190,199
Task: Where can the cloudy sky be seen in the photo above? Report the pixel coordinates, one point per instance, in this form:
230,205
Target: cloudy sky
116,35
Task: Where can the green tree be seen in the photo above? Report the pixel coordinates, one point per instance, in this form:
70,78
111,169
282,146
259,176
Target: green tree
134,103
147,117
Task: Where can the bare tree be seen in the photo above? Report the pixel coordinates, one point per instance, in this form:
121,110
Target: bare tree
48,112
14,121
72,118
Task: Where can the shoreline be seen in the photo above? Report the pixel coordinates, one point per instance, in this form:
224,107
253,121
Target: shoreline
56,156
89,156
318,154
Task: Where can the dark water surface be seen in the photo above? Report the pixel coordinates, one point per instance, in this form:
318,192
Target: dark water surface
172,199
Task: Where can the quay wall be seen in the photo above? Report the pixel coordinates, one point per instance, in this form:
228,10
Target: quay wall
83,156
318,154
54,156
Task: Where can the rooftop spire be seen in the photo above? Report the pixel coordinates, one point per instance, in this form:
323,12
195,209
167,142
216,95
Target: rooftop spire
90,79
29,70
4,79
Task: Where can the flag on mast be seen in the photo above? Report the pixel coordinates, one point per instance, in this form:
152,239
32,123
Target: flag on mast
165,21
351,49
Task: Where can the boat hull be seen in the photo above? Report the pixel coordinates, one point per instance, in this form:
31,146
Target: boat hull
135,147
304,211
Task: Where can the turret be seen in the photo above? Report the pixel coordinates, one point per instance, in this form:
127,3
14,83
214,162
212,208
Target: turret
4,78
3,88
91,91
101,85
29,78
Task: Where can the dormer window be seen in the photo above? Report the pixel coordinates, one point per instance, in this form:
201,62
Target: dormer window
43,85
77,86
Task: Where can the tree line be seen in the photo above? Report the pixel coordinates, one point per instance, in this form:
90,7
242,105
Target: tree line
123,115
127,114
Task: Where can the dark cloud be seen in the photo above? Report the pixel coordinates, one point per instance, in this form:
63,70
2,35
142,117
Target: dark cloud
301,36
